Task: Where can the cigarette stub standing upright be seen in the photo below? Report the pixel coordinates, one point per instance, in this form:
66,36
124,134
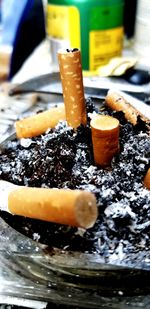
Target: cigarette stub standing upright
93,26
105,139
72,83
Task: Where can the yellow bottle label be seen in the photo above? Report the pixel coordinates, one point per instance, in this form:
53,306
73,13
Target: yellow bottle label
104,45
63,22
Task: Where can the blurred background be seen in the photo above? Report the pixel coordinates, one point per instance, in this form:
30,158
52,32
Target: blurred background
104,30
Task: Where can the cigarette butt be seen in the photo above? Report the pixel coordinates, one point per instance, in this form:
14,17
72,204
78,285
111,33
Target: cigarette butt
147,179
116,102
105,139
64,206
72,84
39,123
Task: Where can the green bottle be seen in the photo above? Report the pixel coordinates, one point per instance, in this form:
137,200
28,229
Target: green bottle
93,26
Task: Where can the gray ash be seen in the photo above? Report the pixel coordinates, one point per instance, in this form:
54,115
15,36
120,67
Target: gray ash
63,158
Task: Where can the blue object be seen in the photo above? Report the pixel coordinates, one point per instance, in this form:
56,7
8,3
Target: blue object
23,23
30,33
11,14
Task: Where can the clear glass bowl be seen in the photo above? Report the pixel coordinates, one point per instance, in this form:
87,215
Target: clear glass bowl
32,270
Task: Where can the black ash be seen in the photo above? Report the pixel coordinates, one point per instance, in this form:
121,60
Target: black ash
63,158
72,50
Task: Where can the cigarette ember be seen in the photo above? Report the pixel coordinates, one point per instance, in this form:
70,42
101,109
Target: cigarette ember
72,84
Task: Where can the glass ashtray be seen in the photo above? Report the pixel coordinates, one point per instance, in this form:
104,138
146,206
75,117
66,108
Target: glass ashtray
32,269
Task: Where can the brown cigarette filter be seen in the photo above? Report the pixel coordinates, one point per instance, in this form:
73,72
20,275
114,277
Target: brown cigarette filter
147,179
105,139
39,123
72,84
64,206
116,102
